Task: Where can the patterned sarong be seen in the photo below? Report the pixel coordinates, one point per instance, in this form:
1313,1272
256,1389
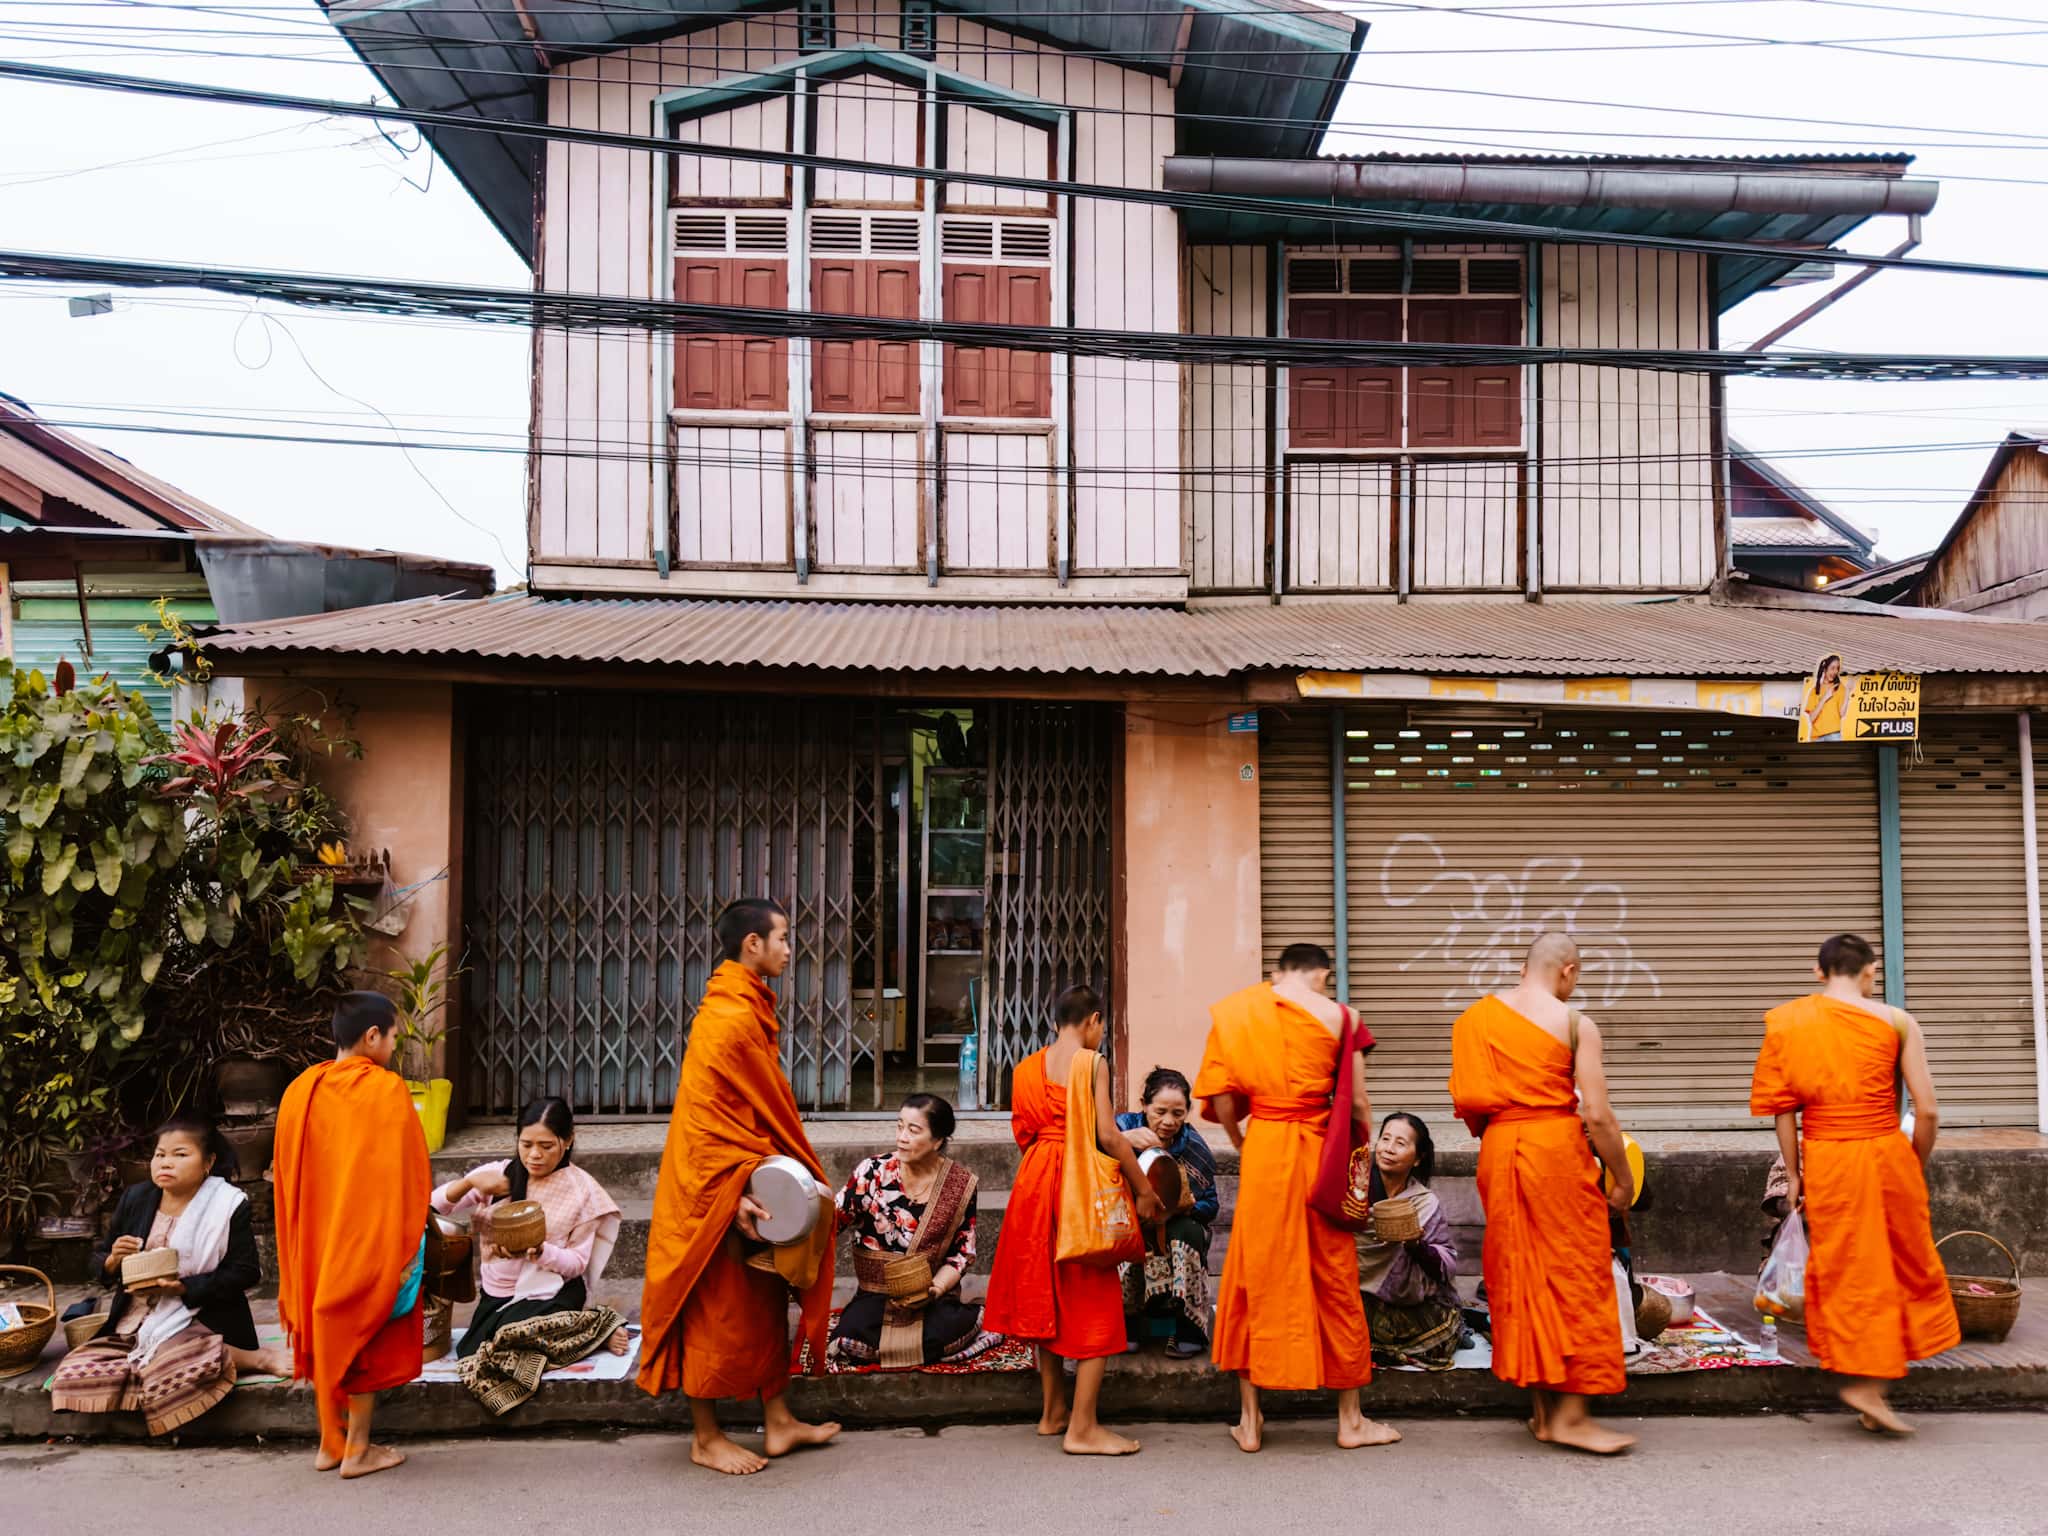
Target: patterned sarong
507,1370
188,1374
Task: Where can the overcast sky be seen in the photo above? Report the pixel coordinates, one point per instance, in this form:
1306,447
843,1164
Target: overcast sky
90,172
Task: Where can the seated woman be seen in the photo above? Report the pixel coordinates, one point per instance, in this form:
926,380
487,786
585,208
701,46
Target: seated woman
1174,1284
1411,1288
583,1228
172,1348
918,1204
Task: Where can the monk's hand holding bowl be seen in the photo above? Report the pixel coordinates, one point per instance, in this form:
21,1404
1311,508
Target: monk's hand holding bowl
748,1218
1150,1207
1620,1196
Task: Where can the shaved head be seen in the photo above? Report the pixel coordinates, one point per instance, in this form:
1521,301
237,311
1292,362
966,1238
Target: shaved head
1551,953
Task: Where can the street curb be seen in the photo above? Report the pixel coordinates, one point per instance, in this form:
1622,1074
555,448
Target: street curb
1141,1389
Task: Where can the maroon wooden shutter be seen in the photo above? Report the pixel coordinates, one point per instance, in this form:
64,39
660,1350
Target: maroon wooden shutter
731,373
1344,407
1026,376
1475,407
969,297
1373,404
866,377
997,382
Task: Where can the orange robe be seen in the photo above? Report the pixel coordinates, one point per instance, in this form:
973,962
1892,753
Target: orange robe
713,1325
1548,1257
1288,1312
1876,1294
351,1179
1075,1310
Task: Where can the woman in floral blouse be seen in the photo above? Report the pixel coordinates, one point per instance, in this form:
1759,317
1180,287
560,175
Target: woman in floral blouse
912,1217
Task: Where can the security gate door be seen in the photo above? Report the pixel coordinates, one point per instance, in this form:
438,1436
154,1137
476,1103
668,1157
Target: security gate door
606,830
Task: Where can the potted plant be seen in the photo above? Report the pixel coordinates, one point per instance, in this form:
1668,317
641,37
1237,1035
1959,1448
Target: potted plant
422,998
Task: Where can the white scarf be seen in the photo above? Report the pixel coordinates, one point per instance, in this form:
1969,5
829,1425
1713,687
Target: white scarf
200,1236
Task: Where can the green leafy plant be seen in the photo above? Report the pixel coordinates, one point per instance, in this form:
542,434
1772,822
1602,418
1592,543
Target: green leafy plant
422,988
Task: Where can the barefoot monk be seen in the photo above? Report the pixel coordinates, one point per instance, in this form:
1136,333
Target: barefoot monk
1289,1316
1069,1309
1515,1061
714,1325
351,1180
1876,1293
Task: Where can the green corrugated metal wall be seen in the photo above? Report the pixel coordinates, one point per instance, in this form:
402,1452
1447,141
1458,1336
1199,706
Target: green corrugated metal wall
46,628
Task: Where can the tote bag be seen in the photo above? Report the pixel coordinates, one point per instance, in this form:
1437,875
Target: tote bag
1326,1197
1098,1218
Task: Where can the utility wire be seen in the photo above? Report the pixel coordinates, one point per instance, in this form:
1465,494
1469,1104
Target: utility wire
1335,217
595,312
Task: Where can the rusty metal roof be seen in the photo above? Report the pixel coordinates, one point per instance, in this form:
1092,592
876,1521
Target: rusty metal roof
1561,639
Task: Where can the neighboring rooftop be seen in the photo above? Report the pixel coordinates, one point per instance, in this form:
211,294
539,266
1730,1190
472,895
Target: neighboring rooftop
58,479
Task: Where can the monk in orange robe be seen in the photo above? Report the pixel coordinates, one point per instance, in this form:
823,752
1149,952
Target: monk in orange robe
351,1179
1070,1310
1876,1293
713,1324
1548,1258
1289,1317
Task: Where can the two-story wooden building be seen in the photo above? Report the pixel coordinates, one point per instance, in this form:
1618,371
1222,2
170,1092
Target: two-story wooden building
1007,668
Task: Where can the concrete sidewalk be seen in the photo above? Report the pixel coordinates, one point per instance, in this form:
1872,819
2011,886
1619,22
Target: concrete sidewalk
2013,1374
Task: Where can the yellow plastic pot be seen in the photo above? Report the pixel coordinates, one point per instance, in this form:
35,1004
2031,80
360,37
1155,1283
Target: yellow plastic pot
430,1102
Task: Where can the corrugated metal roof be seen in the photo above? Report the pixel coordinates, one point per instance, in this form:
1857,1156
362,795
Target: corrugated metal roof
1784,533
1563,639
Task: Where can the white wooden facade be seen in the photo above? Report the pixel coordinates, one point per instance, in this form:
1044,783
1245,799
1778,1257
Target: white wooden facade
882,469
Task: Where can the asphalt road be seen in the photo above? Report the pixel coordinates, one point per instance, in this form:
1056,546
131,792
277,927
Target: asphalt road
1972,1475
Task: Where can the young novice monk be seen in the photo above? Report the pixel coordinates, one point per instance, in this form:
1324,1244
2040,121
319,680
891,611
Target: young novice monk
351,1179
1289,1316
715,1325
1071,1311
1528,1080
1876,1293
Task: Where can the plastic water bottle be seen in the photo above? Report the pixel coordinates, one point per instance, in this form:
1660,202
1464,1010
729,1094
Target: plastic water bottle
1767,1340
969,1090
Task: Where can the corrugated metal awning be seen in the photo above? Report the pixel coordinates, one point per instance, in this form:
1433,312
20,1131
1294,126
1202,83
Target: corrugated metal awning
1552,639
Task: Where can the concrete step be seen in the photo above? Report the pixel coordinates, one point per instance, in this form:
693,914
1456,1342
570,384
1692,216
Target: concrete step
1139,1388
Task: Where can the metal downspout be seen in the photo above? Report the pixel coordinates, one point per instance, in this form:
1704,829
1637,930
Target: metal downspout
1339,876
1891,872
2028,828
799,347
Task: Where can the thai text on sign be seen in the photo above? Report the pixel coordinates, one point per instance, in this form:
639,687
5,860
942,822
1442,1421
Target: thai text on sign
1883,706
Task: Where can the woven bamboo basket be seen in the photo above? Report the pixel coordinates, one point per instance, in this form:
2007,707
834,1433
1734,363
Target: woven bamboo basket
1985,1316
1395,1221
21,1348
149,1264
81,1329
899,1276
437,1334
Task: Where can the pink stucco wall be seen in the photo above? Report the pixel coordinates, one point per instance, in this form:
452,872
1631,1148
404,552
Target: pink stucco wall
403,794
1191,869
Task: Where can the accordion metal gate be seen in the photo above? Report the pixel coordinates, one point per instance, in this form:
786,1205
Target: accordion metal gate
606,830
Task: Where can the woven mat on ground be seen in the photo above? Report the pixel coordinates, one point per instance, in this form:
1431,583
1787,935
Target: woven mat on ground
602,1366
1010,1355
268,1336
1700,1345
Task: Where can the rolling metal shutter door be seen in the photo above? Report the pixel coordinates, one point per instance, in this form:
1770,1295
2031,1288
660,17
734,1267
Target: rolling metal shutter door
1698,860
1297,904
1966,917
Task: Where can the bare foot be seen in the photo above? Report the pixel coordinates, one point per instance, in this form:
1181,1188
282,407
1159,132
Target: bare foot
1586,1435
723,1455
1098,1442
325,1460
619,1342
781,1439
1872,1411
1249,1436
1365,1432
377,1458
275,1361
1053,1423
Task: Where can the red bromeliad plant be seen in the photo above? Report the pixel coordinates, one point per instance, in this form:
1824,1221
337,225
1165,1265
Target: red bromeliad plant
228,768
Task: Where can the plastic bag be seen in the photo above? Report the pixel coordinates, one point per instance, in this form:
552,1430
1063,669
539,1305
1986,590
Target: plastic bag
1781,1285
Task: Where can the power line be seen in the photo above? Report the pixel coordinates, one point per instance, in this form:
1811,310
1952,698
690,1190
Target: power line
1375,219
596,312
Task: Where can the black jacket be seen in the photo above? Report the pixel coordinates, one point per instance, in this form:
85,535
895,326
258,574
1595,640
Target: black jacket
221,1298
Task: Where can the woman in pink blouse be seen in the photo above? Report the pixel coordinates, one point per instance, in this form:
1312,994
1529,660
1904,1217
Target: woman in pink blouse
583,1227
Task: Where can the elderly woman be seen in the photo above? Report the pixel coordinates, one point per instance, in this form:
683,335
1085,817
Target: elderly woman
912,1215
171,1348
1411,1289
582,1229
1173,1284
